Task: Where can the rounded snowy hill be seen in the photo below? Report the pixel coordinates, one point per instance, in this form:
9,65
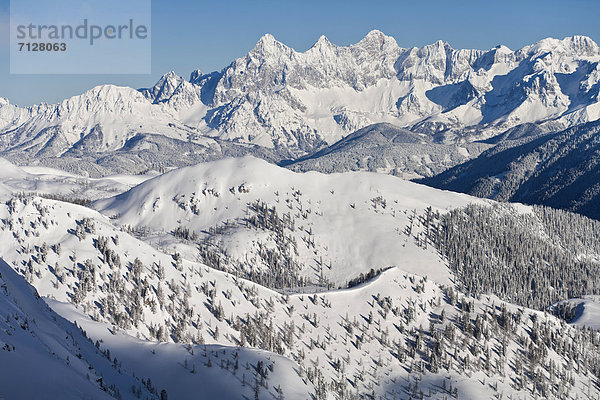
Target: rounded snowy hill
337,225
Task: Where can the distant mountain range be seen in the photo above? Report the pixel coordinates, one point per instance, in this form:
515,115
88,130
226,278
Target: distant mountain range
284,104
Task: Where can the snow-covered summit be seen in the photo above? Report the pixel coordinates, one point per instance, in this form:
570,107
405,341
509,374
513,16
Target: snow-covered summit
164,88
209,194
574,46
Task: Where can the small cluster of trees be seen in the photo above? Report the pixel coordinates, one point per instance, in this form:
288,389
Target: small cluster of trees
361,278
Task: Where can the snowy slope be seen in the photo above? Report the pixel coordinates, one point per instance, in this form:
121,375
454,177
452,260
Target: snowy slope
49,181
43,356
185,371
590,314
585,311
367,212
46,357
381,337
356,342
61,278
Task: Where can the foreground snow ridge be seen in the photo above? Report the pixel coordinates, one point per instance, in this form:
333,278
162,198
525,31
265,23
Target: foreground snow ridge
224,280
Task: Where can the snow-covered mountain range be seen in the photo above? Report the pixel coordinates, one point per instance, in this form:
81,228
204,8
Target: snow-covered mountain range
295,102
236,277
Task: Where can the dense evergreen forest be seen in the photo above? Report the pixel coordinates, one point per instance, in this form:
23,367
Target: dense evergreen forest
531,259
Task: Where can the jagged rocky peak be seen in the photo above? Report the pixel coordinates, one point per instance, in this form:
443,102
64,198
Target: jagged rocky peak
376,41
164,88
323,41
206,81
266,40
502,49
170,78
196,76
322,49
497,55
11,114
437,63
260,69
267,45
583,45
502,53
437,49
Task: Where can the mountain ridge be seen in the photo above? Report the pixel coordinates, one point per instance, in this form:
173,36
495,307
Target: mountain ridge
295,103
557,169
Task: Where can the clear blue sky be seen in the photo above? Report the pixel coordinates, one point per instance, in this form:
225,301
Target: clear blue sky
190,34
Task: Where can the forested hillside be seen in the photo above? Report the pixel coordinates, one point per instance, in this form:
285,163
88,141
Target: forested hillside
560,170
